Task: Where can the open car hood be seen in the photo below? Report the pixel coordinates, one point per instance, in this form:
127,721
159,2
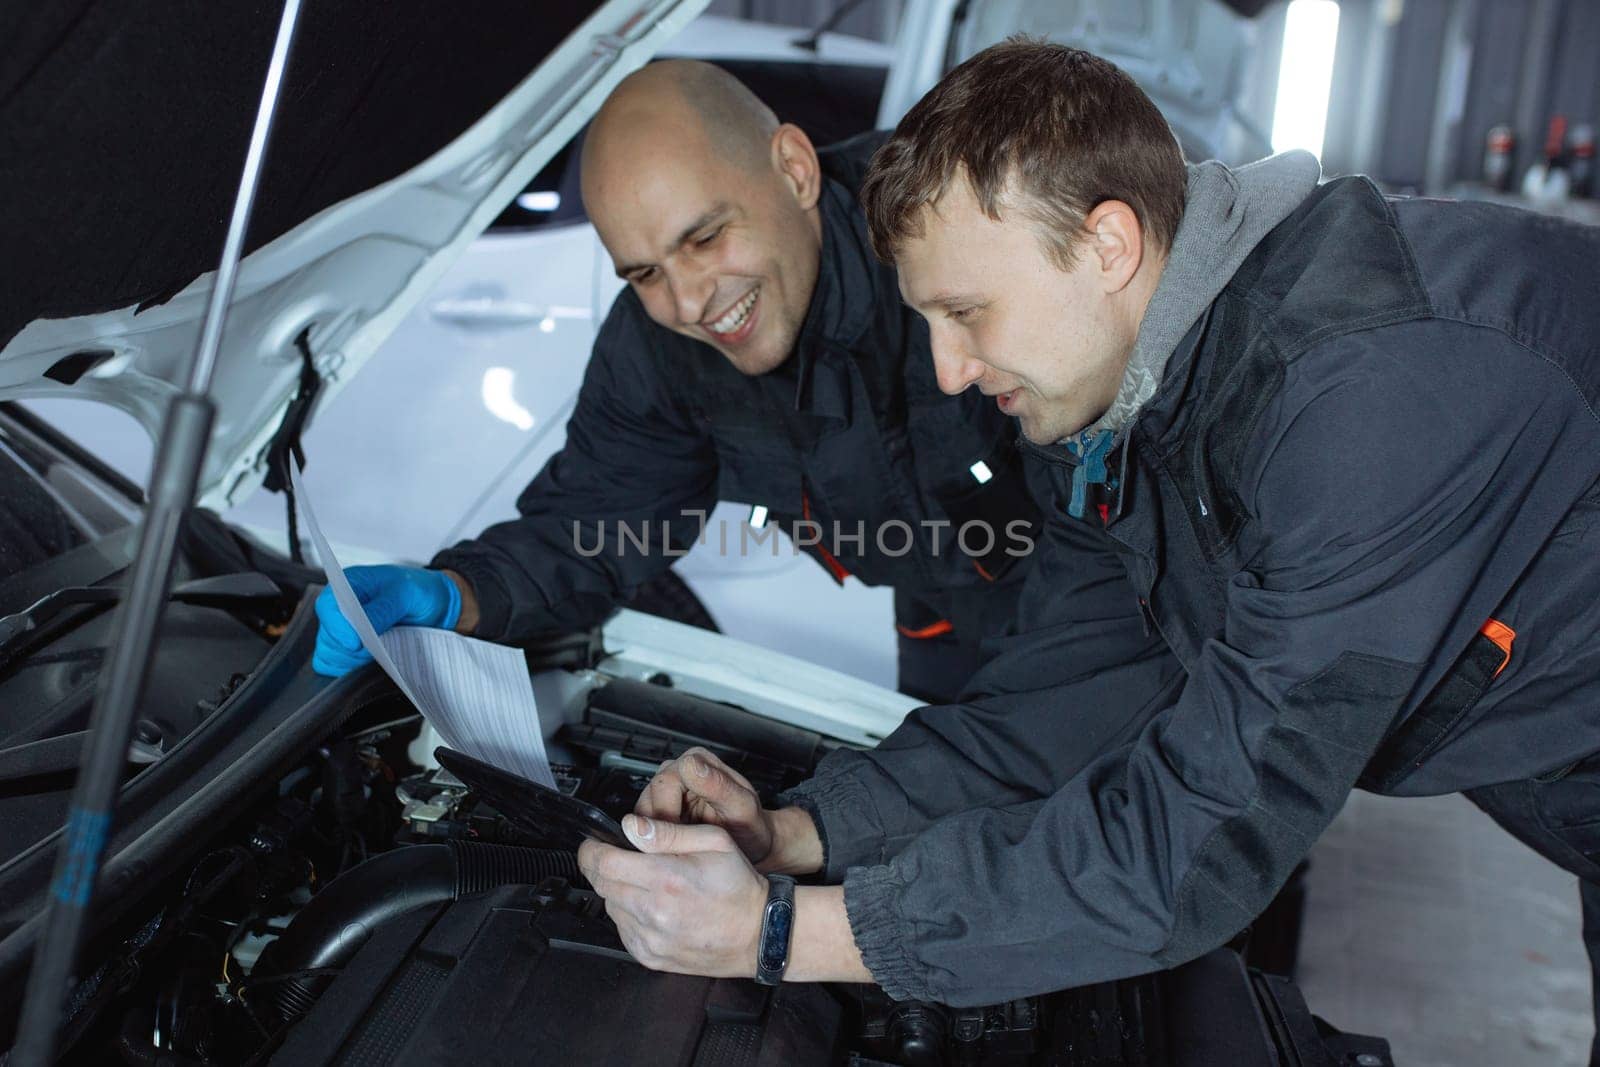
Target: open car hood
402,131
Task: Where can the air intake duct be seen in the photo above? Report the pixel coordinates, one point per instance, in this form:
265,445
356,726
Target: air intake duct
337,922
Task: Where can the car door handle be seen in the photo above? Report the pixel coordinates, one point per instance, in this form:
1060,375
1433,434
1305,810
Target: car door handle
487,313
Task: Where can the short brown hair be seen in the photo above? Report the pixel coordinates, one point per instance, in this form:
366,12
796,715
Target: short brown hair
1060,129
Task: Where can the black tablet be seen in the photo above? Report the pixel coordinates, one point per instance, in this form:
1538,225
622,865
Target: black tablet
538,809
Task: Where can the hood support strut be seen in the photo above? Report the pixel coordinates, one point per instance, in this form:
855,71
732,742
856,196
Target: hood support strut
172,484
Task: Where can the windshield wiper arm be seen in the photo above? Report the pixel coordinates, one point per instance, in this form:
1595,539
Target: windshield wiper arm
218,590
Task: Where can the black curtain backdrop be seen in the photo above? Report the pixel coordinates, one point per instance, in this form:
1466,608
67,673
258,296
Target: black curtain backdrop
123,126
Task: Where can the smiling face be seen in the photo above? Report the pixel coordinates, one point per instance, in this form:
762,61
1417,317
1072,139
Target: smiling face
715,227
1050,345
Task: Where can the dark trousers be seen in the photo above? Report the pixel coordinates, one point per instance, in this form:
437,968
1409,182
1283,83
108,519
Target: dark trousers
1558,816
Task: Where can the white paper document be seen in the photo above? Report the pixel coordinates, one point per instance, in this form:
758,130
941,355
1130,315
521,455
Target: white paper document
476,694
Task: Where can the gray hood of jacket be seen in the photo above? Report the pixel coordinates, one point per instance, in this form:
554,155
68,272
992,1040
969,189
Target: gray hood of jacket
1226,214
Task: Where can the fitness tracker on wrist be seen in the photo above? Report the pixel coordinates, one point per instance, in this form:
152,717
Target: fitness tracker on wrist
777,927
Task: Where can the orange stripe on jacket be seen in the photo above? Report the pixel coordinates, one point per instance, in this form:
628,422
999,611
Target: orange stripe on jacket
835,568
933,629
1502,635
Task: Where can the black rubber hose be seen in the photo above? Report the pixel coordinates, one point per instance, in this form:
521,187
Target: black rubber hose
338,920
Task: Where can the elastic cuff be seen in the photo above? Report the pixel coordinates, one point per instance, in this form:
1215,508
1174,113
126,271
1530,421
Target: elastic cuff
840,806
494,607
882,935
452,607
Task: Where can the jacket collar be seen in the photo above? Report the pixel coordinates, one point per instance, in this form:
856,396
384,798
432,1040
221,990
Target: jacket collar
1226,214
1099,456
843,301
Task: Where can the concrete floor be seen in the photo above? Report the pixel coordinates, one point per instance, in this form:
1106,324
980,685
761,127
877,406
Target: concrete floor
1430,926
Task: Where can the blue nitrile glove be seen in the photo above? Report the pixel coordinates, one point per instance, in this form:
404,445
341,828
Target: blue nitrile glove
393,596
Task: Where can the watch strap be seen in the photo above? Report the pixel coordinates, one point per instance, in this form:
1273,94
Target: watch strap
777,929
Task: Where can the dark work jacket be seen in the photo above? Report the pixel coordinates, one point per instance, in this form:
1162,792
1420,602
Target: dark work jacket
851,430
1373,460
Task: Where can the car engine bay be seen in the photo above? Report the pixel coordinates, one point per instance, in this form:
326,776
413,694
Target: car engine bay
292,878
363,906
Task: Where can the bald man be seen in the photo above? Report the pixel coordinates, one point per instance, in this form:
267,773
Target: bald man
759,354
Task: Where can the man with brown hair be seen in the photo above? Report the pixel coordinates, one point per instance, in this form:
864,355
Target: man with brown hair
1343,453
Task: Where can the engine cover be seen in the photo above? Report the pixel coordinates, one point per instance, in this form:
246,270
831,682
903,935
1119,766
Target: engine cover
535,974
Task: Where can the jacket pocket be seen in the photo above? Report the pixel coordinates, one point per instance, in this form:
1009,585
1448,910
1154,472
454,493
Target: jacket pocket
1567,805
755,463
1570,800
1410,744
996,500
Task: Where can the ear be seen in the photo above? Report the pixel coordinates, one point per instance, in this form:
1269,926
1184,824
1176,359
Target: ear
1116,243
795,158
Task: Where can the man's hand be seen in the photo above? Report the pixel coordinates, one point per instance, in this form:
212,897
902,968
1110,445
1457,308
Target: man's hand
698,788
392,596
688,902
